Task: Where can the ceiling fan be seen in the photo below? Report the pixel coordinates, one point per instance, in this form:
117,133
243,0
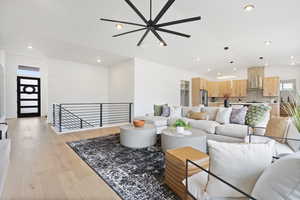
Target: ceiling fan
153,25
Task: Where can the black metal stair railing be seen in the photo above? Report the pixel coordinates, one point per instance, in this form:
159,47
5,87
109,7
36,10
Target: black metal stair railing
70,116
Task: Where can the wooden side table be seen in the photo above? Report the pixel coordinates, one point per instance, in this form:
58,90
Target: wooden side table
175,167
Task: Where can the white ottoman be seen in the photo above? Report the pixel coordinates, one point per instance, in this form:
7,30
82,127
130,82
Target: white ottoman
141,137
170,139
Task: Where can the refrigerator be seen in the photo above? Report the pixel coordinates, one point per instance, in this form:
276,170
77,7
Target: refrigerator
203,97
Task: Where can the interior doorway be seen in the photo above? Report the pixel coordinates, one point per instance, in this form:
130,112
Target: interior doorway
28,97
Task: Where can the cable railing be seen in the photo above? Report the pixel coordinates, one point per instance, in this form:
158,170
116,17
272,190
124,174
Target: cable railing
72,116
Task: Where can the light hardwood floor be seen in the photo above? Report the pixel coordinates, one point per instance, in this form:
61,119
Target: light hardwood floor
43,167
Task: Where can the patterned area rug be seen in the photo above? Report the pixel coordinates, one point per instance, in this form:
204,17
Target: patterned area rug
134,174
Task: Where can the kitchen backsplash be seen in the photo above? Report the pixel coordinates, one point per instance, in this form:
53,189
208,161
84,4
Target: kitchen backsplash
252,96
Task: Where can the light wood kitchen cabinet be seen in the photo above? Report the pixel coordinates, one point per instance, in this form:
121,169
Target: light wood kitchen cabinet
238,88
271,86
213,89
224,88
197,85
243,86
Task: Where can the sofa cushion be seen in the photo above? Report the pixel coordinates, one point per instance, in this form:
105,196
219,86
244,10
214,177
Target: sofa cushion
205,125
293,133
279,147
223,115
238,115
197,185
211,111
155,120
233,130
239,164
280,181
187,110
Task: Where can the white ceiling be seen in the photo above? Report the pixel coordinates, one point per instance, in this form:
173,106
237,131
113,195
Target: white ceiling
70,29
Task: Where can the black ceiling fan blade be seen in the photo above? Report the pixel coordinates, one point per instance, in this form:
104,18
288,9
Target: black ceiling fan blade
129,32
122,22
173,32
158,37
163,11
136,11
179,21
143,37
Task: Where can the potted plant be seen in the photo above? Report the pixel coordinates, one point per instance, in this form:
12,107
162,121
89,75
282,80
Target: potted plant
293,110
181,125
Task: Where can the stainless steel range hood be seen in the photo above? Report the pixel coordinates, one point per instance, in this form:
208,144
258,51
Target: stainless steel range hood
255,78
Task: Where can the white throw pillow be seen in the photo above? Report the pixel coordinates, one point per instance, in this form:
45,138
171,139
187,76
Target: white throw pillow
223,115
293,134
280,181
239,164
175,111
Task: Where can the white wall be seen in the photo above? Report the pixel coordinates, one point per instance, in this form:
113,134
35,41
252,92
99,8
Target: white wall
12,63
61,82
157,84
121,82
2,86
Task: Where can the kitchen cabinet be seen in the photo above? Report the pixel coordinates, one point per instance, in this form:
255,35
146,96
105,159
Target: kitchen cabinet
213,89
271,86
197,85
238,88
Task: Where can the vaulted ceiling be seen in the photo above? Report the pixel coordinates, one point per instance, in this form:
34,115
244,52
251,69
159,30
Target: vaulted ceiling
71,29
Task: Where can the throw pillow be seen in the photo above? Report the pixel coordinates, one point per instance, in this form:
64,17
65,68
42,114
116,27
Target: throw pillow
165,111
277,129
239,164
175,111
158,110
256,114
223,115
211,111
294,134
198,115
238,115
280,181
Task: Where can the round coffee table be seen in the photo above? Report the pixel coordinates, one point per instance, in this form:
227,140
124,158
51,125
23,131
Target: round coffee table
170,139
138,137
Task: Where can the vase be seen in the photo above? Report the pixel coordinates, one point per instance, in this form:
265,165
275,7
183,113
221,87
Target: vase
180,129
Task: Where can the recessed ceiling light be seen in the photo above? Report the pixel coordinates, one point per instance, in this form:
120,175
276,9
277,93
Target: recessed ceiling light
234,69
99,61
293,63
231,62
219,73
292,57
29,47
249,7
261,58
268,42
119,26
208,69
226,48
266,64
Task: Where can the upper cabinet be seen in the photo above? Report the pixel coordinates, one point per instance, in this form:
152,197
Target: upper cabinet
239,88
271,86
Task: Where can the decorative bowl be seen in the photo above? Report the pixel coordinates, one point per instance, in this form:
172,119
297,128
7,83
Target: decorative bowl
138,123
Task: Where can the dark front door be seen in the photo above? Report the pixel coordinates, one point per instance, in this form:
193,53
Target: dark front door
29,96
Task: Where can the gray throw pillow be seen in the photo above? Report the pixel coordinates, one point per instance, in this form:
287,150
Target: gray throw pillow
238,115
165,111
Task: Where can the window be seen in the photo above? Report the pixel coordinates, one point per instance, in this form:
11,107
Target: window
288,85
28,71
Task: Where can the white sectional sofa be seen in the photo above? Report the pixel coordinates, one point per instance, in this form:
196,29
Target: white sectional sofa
215,130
